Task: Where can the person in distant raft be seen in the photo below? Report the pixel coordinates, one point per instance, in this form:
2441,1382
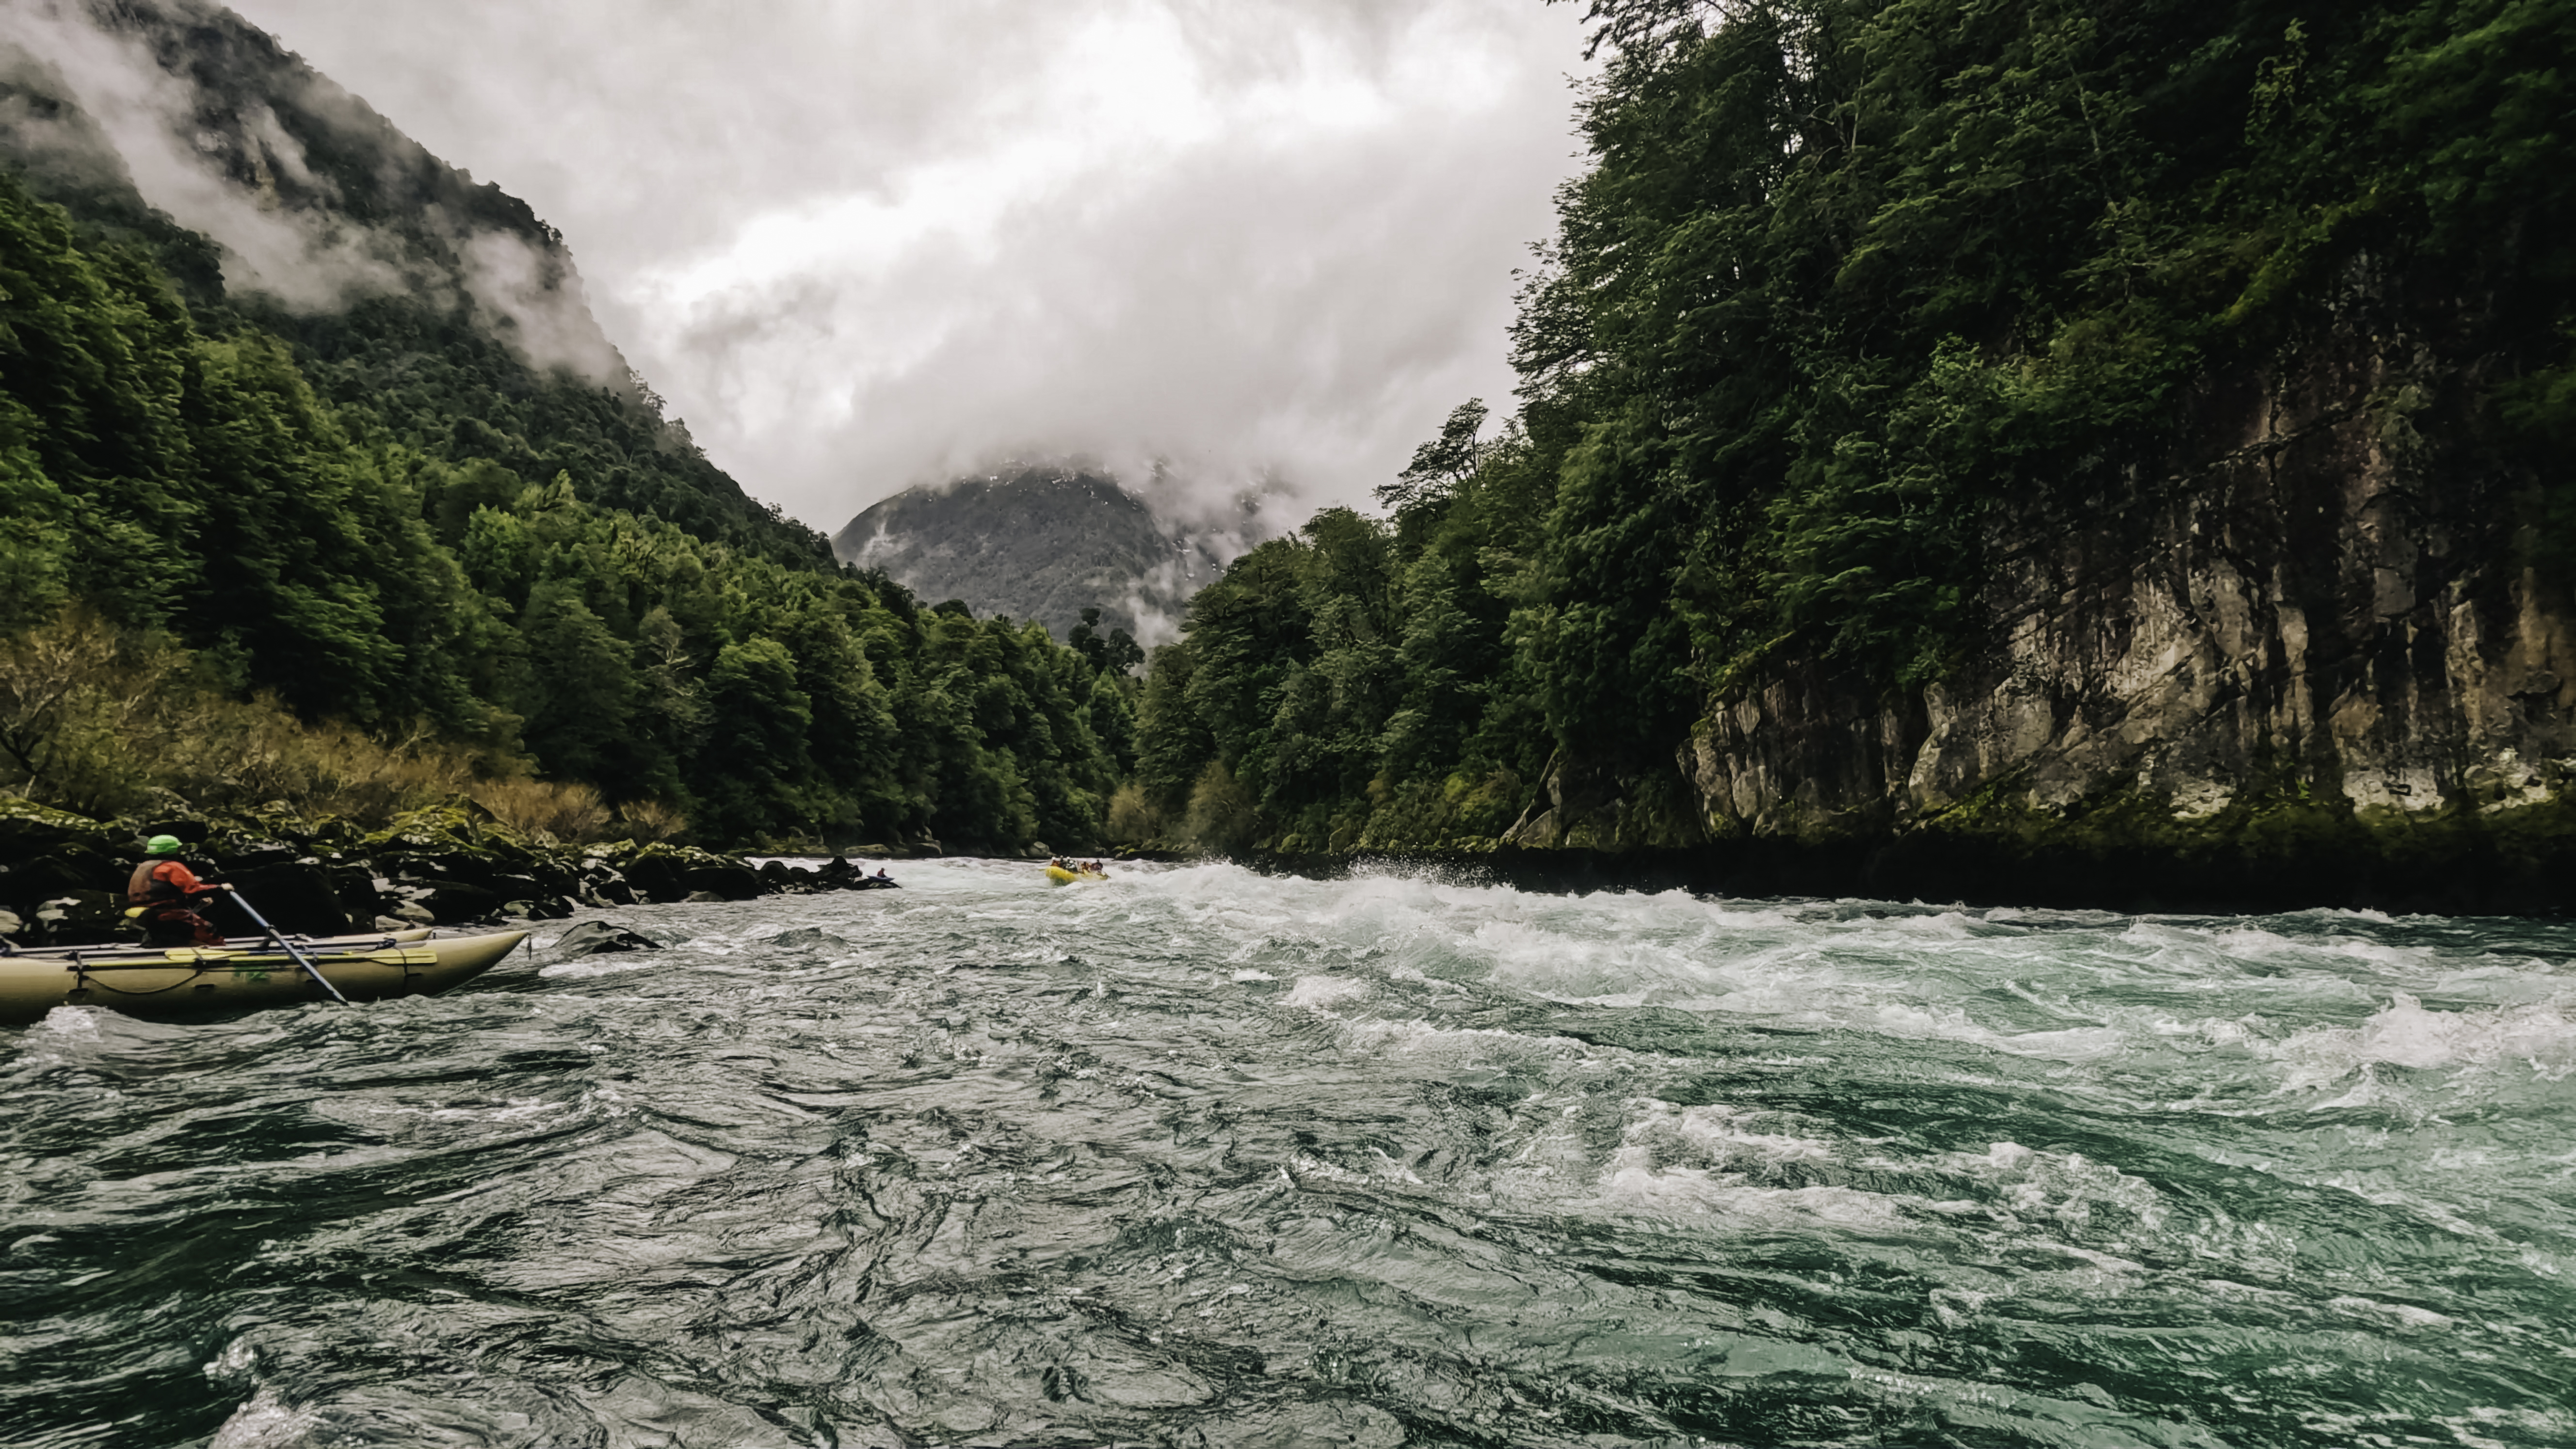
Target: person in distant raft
165,893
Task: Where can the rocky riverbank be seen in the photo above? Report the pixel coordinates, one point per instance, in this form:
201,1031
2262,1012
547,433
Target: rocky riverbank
62,875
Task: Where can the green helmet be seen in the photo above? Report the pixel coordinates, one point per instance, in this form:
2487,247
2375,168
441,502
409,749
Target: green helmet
161,845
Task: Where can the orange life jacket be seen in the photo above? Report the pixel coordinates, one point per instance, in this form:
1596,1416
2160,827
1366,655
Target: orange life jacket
148,887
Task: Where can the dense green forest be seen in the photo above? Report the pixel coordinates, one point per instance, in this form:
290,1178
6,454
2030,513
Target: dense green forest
392,521
1845,278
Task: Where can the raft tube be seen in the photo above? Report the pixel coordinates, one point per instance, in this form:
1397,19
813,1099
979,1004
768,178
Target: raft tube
368,939
200,981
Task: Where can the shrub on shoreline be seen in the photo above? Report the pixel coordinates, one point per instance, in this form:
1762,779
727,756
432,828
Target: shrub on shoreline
104,721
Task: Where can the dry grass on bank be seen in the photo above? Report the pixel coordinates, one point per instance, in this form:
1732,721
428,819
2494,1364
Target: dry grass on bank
542,810
100,720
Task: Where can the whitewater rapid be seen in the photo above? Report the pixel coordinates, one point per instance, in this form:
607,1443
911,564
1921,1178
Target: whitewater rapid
1199,1156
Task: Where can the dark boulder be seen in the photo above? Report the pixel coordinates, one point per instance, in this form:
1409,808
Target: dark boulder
732,880
840,875
510,886
677,872
46,854
604,884
297,896
357,887
84,918
250,854
599,938
804,938
456,902
64,869
187,830
27,828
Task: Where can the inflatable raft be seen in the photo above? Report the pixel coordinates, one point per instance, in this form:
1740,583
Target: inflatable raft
1058,875
198,981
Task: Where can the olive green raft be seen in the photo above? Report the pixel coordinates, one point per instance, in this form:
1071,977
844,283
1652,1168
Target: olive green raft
199,981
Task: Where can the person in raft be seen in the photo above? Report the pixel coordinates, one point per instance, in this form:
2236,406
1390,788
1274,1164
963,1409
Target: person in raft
166,892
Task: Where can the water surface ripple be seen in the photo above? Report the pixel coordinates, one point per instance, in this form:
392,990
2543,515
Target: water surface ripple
1204,1158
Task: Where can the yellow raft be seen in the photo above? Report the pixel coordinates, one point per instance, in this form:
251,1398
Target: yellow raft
199,981
1058,875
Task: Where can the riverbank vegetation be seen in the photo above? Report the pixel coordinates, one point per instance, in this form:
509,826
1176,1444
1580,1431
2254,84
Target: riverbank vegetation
103,722
1845,279
362,558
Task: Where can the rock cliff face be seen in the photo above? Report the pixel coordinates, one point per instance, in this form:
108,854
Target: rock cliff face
2307,658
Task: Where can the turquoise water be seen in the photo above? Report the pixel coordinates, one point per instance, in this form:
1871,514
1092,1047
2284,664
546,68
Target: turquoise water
1199,1157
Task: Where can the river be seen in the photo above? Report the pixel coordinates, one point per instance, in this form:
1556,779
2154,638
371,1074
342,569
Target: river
1202,1157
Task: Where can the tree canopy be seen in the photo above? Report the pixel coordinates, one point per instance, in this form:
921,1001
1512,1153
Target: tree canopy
387,518
1846,277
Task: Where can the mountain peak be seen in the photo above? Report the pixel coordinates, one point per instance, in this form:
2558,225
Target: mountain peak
1040,541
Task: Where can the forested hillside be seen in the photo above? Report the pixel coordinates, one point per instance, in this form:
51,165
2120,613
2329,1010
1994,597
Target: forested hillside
1918,398
430,509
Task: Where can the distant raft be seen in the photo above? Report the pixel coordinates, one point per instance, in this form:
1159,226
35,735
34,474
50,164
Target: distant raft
1058,875
193,982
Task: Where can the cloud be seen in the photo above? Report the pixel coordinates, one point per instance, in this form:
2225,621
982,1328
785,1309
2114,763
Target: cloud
304,258
861,244
539,302
234,171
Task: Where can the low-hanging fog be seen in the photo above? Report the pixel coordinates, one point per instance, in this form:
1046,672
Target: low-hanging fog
860,244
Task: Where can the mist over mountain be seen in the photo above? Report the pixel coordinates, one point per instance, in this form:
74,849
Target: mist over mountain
271,194
296,418
1046,542
312,198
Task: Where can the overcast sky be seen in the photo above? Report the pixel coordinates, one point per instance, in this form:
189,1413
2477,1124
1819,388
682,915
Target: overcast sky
860,244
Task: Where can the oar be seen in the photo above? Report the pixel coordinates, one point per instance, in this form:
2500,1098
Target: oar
279,937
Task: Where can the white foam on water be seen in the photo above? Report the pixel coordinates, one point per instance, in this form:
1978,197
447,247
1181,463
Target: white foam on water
1681,964
74,1021
1305,1168
2377,1188
2405,1034
1702,1163
265,1423
1951,925
2401,1316
1722,916
2065,1187
2257,943
1320,993
2528,1426
2398,958
576,970
1632,1186
1952,1023
1482,1045
1716,1137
